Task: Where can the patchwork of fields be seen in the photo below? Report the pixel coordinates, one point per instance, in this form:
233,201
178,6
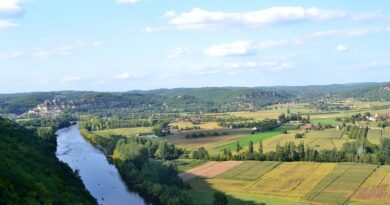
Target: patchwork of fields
253,182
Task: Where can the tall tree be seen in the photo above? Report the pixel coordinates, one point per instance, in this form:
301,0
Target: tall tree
250,148
238,146
261,147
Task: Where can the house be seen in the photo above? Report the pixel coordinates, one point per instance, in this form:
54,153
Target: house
307,126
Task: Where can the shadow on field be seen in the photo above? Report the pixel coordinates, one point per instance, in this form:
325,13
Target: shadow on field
202,193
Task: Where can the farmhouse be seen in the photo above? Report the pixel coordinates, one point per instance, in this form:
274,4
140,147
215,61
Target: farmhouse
307,126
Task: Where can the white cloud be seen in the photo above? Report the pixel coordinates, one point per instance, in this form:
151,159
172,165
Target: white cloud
341,48
202,19
10,7
129,75
169,14
242,48
5,24
9,11
128,1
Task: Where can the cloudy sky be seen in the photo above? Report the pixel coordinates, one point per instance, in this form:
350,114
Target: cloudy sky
119,45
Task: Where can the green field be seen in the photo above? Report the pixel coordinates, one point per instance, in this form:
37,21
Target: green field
255,138
124,131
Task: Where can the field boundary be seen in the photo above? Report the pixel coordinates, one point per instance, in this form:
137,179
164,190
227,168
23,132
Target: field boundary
337,177
357,188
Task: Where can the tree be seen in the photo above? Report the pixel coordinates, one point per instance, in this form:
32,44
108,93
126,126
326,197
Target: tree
282,118
385,151
301,150
220,198
261,147
238,146
299,135
250,148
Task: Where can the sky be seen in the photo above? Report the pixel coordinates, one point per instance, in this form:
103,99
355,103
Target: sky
121,45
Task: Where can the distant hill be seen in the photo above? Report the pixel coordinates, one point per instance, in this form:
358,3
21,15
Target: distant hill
208,99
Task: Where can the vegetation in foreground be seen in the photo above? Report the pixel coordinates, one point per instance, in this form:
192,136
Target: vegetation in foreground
30,173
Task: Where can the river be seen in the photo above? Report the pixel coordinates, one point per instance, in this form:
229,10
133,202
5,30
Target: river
99,176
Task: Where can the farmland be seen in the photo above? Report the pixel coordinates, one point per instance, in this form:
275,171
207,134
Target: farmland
254,182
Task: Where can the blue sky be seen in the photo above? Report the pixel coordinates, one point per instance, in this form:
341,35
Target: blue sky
119,45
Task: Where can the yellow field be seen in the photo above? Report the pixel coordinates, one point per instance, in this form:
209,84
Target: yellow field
293,179
209,125
323,139
376,189
205,126
303,183
374,135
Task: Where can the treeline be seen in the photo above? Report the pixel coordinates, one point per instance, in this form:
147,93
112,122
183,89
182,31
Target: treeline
283,118
265,125
59,122
354,118
359,150
144,165
95,124
30,173
205,134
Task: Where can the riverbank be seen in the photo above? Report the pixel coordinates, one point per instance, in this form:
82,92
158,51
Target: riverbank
100,177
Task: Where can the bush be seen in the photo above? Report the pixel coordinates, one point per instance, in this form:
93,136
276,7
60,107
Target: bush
299,135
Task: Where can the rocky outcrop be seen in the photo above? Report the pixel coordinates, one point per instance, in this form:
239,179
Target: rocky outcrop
51,107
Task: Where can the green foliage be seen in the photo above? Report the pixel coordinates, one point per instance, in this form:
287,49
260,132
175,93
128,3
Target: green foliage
30,173
299,135
220,198
201,153
264,125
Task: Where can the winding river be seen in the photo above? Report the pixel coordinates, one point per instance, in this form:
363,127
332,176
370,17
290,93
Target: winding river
99,176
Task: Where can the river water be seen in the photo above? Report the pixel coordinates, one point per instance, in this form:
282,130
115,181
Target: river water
99,176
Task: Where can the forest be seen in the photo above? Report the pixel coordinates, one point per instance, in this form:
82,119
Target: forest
30,173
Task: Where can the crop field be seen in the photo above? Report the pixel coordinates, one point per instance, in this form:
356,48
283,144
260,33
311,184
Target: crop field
374,135
296,183
209,170
376,188
293,179
386,132
323,121
124,131
255,138
204,126
322,139
248,171
337,188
